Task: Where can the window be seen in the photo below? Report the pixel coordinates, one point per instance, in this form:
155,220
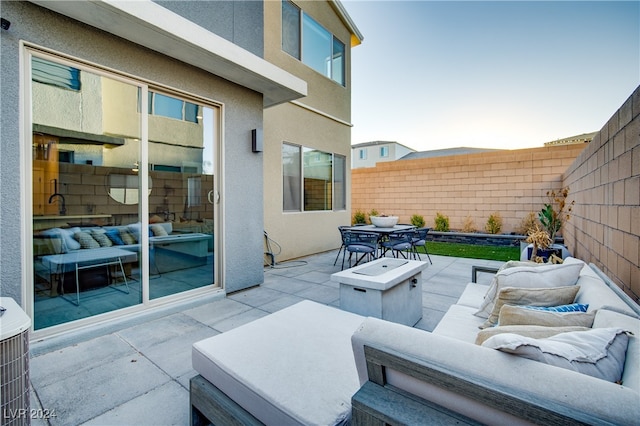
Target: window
54,74
291,178
291,29
305,39
168,106
362,154
384,151
339,182
309,178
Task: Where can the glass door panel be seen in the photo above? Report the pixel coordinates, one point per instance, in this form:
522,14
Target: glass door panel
86,198
181,206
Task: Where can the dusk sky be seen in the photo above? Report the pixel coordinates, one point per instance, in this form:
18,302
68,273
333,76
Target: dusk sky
504,74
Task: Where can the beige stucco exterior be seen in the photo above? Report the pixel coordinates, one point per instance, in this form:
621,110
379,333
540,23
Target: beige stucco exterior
321,121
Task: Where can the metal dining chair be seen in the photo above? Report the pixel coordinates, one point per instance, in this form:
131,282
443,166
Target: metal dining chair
342,230
420,240
399,243
364,243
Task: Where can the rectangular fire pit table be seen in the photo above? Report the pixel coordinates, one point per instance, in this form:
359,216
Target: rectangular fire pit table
390,289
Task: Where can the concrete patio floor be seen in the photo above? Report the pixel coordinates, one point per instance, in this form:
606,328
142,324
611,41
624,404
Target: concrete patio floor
136,372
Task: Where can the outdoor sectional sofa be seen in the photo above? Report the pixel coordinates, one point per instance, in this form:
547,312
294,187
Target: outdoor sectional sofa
314,364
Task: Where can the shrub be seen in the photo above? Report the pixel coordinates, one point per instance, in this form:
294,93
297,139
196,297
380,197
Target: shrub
359,217
469,226
417,221
527,224
494,223
441,222
373,212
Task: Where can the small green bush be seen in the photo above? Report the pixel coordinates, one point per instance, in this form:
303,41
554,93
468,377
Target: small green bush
469,226
494,223
417,220
359,217
527,224
373,212
441,222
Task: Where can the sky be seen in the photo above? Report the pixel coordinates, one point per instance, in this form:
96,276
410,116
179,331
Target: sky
503,74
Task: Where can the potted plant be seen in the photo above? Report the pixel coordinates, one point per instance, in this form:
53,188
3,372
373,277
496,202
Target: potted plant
552,216
384,220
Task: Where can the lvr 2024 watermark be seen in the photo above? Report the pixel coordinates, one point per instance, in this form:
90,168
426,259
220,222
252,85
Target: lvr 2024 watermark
23,413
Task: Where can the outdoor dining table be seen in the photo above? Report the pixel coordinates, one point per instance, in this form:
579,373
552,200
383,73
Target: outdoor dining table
379,230
383,233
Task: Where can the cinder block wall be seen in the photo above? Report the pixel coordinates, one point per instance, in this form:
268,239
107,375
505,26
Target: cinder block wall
605,182
511,183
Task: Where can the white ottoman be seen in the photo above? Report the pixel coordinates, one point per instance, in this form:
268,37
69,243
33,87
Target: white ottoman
295,366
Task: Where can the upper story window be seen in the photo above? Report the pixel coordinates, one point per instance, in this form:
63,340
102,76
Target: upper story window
384,151
55,74
307,40
362,154
168,106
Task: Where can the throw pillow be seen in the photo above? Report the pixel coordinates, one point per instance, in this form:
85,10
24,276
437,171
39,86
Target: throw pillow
533,331
574,307
547,275
114,236
531,296
86,240
158,230
101,237
599,352
126,236
523,315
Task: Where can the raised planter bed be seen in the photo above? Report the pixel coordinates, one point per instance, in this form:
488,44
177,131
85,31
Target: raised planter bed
476,238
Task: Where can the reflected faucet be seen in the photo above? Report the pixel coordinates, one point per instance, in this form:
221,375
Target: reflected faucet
63,208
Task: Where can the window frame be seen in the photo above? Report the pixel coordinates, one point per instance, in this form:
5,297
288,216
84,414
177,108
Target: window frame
336,204
332,61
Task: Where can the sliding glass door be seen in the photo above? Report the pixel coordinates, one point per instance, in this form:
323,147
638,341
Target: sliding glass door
124,195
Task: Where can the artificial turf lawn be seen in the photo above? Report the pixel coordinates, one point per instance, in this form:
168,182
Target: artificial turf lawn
472,251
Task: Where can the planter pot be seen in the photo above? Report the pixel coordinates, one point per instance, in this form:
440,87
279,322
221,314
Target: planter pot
557,249
384,221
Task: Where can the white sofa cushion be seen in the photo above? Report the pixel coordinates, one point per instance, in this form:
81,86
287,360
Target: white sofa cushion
597,352
473,295
459,323
606,318
529,277
294,366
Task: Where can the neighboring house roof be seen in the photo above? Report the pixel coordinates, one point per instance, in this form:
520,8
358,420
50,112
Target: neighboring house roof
446,152
375,143
155,27
583,138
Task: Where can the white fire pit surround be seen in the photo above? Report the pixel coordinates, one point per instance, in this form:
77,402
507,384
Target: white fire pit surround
384,221
390,289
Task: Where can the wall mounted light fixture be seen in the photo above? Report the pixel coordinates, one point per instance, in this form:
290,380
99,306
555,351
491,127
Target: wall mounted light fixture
4,24
256,140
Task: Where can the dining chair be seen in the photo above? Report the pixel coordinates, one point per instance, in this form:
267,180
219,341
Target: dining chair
420,240
365,243
342,230
398,242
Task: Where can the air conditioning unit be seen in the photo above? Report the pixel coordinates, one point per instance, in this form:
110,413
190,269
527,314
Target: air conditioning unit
14,363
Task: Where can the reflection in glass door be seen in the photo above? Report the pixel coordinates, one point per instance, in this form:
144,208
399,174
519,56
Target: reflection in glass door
86,203
121,174
181,208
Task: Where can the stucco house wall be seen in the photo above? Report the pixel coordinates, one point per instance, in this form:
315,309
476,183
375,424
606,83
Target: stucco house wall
242,194
320,121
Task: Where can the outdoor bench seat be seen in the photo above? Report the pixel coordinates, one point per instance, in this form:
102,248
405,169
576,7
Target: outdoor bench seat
293,367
